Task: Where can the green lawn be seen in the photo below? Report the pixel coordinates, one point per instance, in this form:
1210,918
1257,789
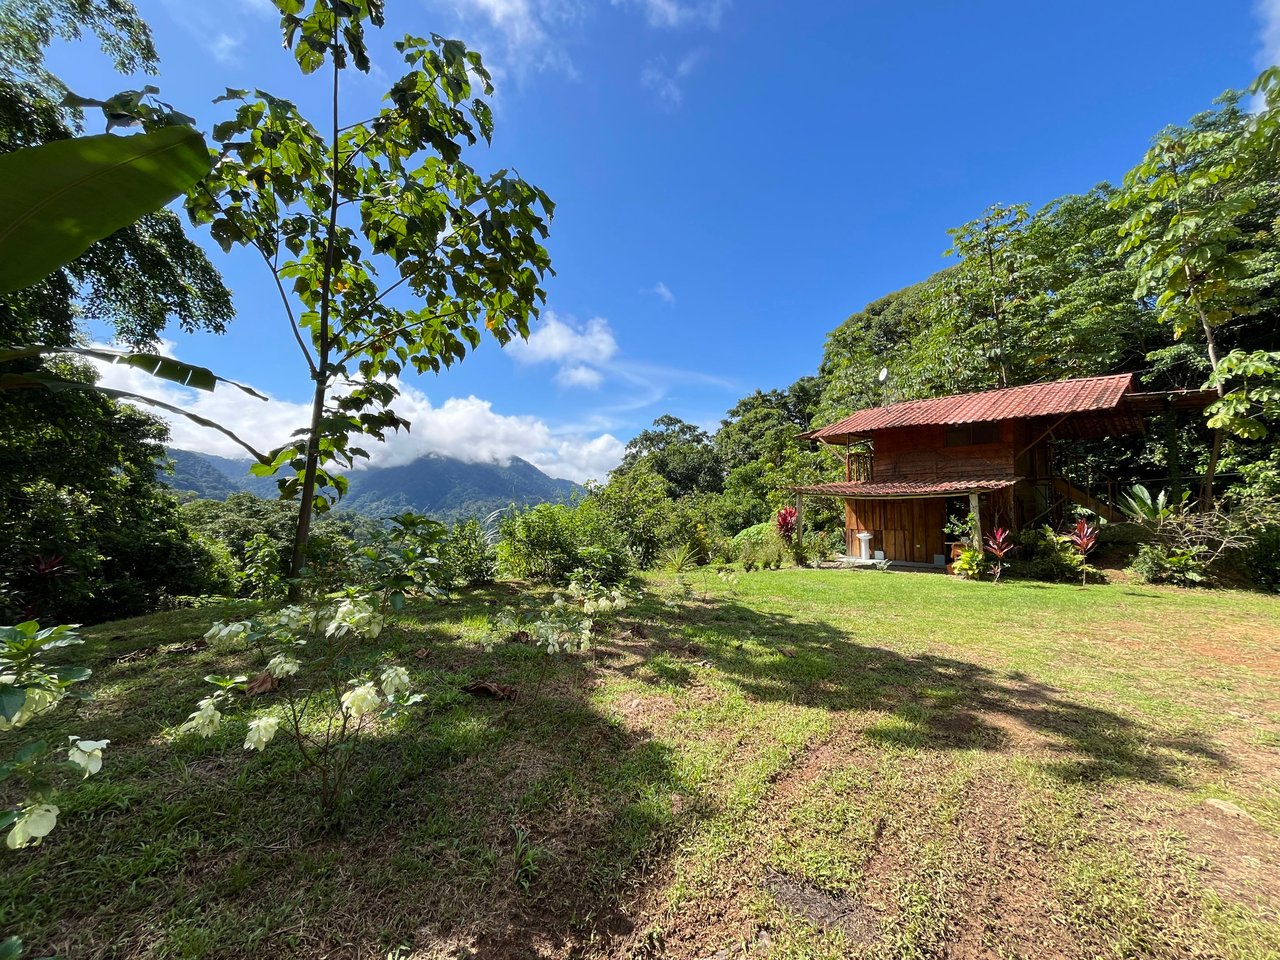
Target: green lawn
809,764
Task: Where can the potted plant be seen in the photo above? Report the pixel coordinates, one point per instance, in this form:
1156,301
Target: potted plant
959,532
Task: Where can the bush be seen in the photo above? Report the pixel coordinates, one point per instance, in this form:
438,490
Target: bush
547,543
1046,555
468,556
1156,563
969,564
758,535
1260,561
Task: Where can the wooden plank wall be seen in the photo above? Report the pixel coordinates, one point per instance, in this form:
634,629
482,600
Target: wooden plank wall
906,530
921,453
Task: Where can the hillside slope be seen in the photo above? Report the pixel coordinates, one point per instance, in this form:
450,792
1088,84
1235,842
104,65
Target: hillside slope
444,487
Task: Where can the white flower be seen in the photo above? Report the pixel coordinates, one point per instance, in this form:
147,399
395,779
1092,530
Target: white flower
261,732
295,618
205,720
86,754
228,631
282,665
361,700
589,606
395,680
355,616
32,826
37,701
557,600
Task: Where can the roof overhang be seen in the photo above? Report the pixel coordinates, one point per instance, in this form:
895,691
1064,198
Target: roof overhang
906,489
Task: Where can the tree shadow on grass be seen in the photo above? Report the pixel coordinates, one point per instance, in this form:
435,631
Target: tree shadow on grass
931,702
474,828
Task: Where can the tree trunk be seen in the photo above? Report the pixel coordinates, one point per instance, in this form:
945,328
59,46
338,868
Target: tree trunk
302,532
1215,451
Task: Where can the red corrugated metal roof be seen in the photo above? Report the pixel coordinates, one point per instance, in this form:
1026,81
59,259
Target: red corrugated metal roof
1089,394
908,488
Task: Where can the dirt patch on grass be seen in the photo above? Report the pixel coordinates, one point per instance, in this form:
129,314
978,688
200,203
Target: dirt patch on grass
1241,860
825,911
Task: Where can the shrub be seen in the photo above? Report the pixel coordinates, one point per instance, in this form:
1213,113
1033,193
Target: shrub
1156,563
1260,561
308,654
785,521
638,503
30,687
757,536
969,564
549,542
468,555
1046,555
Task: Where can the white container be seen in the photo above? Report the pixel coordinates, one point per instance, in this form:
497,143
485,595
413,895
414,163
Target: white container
864,546
939,560
879,554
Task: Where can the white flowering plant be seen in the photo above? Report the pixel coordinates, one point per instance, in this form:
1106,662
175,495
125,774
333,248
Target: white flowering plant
29,688
307,651
595,599
560,629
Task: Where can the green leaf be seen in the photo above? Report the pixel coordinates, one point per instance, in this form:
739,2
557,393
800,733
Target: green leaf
21,381
11,700
10,947
165,368
57,199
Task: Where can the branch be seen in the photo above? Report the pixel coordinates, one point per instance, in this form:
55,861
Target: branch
394,333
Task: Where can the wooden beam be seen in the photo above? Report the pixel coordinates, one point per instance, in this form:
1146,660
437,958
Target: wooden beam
977,521
800,517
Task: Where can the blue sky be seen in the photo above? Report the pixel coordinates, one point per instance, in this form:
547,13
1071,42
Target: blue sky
733,179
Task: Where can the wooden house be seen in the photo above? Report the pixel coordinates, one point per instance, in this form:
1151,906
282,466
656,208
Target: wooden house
910,465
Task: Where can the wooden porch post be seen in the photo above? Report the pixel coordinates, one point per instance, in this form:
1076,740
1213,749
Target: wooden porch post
800,517
977,521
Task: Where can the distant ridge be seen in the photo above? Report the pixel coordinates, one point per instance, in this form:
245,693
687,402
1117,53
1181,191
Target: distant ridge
444,487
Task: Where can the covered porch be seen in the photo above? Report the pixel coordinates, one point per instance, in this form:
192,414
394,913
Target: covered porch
903,522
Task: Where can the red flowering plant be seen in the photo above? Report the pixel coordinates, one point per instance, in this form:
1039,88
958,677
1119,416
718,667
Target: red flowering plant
786,522
999,544
1083,537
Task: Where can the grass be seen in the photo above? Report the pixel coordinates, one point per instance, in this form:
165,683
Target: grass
810,764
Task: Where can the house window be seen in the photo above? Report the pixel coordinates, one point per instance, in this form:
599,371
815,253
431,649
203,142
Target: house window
971,434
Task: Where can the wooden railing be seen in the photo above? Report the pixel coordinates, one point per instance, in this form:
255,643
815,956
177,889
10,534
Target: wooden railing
858,467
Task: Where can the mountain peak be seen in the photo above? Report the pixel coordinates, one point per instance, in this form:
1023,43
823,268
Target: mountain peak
444,487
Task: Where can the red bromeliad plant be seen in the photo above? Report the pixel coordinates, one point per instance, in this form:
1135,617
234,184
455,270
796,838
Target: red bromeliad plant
786,521
1083,538
999,544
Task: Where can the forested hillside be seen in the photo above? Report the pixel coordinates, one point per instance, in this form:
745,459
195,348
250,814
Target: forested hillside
443,487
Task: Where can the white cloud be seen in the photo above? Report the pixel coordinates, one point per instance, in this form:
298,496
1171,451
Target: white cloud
225,47
668,81
580,376
662,290
467,428
578,350
517,36
557,340
1268,11
672,14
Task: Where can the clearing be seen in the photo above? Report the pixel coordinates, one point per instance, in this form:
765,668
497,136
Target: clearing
808,764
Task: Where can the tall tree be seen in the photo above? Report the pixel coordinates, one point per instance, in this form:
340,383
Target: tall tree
679,452
1199,235
988,284
85,528
326,210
